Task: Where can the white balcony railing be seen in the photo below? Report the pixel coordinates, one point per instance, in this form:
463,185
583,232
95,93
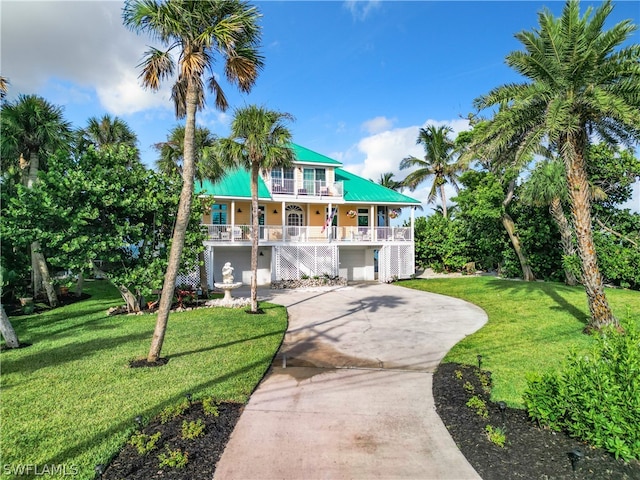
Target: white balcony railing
293,234
280,186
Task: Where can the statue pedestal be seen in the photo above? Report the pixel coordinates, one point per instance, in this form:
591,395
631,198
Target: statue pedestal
227,287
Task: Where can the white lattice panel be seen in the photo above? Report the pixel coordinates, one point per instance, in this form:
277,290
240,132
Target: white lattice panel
395,261
291,262
191,279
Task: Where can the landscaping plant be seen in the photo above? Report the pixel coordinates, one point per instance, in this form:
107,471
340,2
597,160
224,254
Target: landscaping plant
596,397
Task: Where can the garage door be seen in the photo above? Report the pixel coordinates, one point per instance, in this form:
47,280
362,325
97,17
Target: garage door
353,264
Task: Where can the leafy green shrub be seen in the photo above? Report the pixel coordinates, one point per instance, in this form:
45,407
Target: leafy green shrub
173,411
479,405
496,435
173,458
210,407
596,398
468,387
191,430
144,443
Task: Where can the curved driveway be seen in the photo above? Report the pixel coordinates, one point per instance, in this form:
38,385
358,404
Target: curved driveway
349,394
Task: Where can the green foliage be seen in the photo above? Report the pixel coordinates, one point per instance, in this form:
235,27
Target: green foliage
210,406
543,401
619,254
596,397
479,405
173,458
440,243
485,380
468,387
103,205
173,411
613,172
496,435
480,209
144,443
458,374
191,430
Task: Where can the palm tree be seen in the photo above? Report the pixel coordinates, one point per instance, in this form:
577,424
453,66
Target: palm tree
387,180
259,140
547,186
579,85
199,30
437,163
31,129
106,131
172,150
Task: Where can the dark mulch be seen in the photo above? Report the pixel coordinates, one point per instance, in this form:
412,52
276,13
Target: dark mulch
203,452
530,452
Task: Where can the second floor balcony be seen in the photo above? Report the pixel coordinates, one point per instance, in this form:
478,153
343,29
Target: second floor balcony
269,234
313,188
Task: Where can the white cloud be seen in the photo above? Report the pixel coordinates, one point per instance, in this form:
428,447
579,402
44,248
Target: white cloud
377,124
84,43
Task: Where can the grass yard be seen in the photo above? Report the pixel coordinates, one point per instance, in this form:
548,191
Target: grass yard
70,399
532,326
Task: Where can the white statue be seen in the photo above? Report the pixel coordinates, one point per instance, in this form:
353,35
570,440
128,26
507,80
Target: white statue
227,273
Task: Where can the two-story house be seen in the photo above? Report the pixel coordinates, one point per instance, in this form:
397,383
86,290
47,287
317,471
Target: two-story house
315,219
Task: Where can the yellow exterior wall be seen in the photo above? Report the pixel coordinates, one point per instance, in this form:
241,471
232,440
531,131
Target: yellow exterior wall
275,219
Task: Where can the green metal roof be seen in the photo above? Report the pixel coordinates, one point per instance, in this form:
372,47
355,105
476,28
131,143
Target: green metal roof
309,156
360,190
236,183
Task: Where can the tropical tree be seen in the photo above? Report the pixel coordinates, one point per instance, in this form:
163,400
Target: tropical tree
31,130
171,153
259,140
106,131
547,187
387,180
198,30
579,85
438,162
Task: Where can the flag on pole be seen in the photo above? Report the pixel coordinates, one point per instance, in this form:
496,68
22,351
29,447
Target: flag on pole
329,219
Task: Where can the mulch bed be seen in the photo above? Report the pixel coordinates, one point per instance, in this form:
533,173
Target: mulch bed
530,452
203,452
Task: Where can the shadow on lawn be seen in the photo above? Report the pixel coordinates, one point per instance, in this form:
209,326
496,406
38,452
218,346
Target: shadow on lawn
551,289
223,345
59,355
147,414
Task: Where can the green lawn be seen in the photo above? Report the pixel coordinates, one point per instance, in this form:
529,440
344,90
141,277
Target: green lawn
71,398
532,326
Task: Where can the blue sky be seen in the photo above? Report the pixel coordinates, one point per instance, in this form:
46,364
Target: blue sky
360,77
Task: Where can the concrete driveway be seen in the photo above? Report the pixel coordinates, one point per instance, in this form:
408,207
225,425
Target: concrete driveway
349,394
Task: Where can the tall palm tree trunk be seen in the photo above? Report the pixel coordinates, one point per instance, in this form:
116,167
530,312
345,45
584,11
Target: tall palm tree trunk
566,237
40,276
579,193
444,201
180,228
255,167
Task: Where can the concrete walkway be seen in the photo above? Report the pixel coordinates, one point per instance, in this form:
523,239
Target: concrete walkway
354,400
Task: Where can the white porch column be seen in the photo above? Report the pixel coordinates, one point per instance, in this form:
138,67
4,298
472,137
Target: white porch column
233,218
413,221
372,220
284,219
